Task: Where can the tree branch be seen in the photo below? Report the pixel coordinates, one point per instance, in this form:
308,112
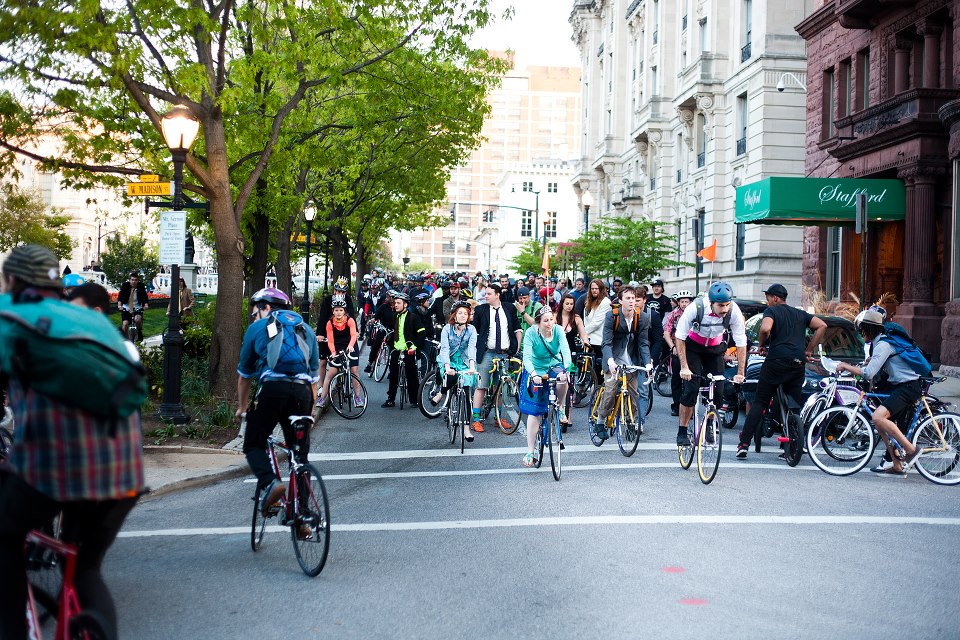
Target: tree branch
171,80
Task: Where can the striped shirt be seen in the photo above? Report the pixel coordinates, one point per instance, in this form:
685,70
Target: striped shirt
68,454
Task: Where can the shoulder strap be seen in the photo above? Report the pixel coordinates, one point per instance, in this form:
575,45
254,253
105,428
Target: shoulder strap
699,318
615,309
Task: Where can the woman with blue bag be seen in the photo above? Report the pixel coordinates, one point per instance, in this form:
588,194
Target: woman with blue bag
545,354
458,354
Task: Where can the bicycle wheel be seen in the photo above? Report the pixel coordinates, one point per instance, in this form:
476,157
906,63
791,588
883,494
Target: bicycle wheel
402,384
710,442
807,417
310,528
583,385
423,364
382,364
594,418
687,452
662,381
627,421
940,464
539,445
730,413
840,441
259,521
507,406
342,396
452,416
430,386
88,625
553,441
132,333
793,450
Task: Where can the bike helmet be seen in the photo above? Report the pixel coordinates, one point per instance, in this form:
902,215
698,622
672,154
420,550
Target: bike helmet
868,317
400,295
339,301
467,293
378,282
459,304
272,296
420,297
464,283
720,292
683,293
340,284
72,280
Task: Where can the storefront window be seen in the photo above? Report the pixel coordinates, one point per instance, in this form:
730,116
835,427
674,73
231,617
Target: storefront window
833,263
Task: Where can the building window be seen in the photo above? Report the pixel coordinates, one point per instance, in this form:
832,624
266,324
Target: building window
834,242
704,41
746,49
552,187
656,20
526,224
550,225
863,80
741,245
701,140
679,236
654,79
528,187
742,115
826,127
846,88
701,223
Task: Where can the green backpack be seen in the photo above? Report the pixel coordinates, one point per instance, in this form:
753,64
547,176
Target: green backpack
71,354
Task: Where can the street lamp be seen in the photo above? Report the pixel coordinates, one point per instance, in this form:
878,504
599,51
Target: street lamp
103,224
587,201
308,214
180,130
781,86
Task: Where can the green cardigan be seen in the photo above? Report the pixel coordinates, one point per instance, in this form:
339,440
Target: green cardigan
539,355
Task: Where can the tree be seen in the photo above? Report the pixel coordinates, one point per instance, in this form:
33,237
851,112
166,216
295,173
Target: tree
530,258
24,220
627,248
97,77
122,257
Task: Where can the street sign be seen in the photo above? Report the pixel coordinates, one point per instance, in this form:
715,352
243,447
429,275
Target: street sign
150,178
149,188
173,235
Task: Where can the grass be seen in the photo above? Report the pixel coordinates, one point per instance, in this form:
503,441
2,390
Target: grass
154,321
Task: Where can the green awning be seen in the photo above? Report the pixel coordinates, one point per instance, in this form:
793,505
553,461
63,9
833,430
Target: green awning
819,201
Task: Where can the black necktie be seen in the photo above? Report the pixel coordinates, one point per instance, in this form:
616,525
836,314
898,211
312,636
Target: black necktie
497,346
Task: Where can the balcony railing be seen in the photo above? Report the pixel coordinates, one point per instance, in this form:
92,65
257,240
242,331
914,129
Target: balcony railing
741,146
679,175
701,159
653,183
746,51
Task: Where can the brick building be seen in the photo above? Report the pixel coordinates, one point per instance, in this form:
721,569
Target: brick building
882,102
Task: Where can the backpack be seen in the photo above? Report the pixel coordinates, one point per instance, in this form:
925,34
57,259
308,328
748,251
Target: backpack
701,309
72,355
616,318
288,350
905,347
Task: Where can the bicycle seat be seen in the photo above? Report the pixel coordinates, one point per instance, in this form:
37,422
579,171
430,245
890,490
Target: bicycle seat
933,380
296,419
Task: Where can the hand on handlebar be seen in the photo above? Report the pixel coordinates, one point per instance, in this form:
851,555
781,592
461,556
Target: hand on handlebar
738,379
686,374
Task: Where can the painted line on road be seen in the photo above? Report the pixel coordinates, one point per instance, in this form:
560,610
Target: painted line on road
572,521
455,453
543,469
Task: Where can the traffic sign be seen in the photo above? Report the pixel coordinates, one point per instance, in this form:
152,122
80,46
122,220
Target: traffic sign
149,188
173,235
149,177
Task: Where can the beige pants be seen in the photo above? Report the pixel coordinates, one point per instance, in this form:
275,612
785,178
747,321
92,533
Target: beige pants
611,384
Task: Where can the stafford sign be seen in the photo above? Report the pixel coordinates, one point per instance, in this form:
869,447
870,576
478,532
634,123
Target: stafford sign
811,201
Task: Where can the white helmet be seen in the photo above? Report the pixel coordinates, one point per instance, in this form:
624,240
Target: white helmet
684,293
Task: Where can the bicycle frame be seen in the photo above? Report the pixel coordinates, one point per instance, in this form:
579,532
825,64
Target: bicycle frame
69,602
289,503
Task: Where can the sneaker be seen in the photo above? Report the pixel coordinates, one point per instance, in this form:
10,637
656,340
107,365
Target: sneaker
640,427
368,368
600,430
674,412
529,460
358,401
304,532
388,404
504,425
477,426
272,495
742,450
683,440
321,402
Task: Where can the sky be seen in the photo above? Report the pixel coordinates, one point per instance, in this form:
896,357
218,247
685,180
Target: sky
539,32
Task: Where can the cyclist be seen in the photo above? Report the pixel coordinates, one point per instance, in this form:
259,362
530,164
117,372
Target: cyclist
65,460
340,292
386,316
545,354
342,337
596,306
700,347
132,302
526,309
782,338
498,332
657,301
625,342
458,354
456,294
70,282
408,336
506,291
572,327
684,298
893,376
287,389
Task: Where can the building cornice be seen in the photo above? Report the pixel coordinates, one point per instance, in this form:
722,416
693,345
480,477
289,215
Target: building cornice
818,21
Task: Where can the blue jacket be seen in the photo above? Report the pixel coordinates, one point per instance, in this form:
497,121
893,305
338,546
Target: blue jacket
253,354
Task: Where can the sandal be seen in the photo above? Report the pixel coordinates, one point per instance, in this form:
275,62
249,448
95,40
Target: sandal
529,460
468,437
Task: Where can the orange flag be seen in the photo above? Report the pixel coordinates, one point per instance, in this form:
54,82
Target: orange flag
545,264
709,253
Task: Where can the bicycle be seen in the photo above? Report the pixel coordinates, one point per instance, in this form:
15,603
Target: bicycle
662,376
71,621
342,388
382,363
502,396
842,439
791,438
459,410
625,419
550,432
431,383
304,507
585,379
135,327
707,438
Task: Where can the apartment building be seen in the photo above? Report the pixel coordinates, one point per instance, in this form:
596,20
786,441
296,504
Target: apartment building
681,106
535,115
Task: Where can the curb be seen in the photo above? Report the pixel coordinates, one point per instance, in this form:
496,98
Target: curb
173,448
205,480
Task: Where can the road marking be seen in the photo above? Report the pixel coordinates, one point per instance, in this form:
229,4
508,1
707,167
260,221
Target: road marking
693,602
543,469
572,521
455,453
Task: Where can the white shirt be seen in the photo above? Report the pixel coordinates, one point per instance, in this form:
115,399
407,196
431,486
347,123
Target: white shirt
593,321
711,327
504,334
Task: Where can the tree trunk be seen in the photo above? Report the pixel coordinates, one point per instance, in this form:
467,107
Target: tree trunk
363,264
339,254
284,275
259,227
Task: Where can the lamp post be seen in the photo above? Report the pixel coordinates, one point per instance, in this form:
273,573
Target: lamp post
587,201
103,224
308,214
180,130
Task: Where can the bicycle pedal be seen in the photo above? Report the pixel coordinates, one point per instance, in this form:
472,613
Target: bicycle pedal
782,439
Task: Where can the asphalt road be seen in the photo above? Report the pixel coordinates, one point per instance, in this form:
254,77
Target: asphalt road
429,543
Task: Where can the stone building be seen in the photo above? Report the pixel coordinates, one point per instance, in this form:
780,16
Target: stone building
680,107
883,102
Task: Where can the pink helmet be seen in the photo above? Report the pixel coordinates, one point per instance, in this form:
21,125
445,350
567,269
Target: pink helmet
272,296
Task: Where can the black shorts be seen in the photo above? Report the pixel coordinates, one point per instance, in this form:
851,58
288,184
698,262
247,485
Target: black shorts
324,349
126,316
701,361
901,397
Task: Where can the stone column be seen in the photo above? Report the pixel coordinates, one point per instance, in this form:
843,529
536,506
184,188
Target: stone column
931,52
918,313
901,67
950,328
